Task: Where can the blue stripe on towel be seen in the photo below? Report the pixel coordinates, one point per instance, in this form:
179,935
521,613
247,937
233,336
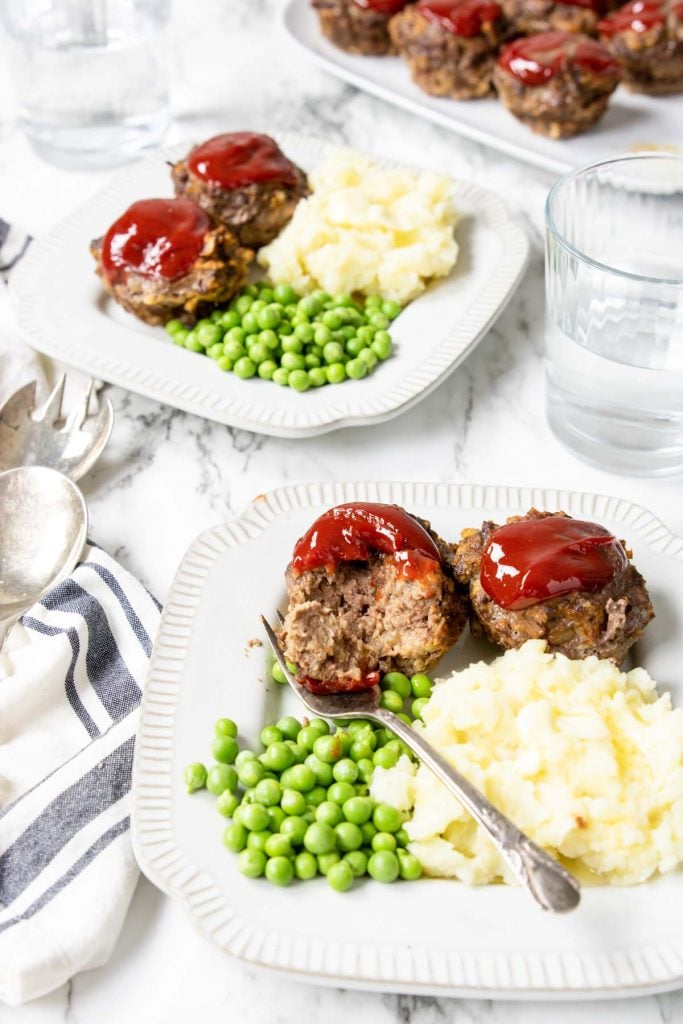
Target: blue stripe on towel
130,613
64,818
69,682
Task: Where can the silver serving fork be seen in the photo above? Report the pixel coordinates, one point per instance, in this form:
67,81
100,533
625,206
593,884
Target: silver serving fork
548,882
43,437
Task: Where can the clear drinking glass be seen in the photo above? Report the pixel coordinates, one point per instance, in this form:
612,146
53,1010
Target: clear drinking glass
90,75
614,313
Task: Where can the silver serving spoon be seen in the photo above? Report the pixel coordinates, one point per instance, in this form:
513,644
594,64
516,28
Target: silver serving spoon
43,526
551,886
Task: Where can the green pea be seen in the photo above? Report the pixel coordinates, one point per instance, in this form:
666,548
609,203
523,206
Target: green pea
340,876
340,792
258,840
244,755
243,304
208,334
270,734
225,727
255,817
275,817
315,796
307,736
215,351
236,334
235,838
277,757
266,294
327,860
383,866
303,333
267,369
268,792
258,353
418,706
227,803
385,757
251,863
398,682
180,337
320,838
279,870
292,361
356,369
333,352
381,346
312,362
336,373
194,777
409,866
421,685
285,329
328,749
250,323
293,802
245,368
369,831
322,335
365,769
329,813
345,770
402,837
229,319
357,861
367,356
299,379
363,747
278,845
250,772
281,377
358,809
268,318
221,777
386,818
378,320
295,828
233,349
383,841
391,700
373,300
174,325
290,727
323,772
305,866
349,836
332,320
391,308
192,342
285,294
225,749
299,777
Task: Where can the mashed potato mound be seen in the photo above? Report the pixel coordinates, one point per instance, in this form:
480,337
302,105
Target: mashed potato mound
366,229
586,759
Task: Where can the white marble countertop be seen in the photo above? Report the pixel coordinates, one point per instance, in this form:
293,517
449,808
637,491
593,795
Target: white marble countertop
167,475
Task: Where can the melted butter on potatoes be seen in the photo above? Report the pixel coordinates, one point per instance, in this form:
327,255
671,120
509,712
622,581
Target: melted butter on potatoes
586,759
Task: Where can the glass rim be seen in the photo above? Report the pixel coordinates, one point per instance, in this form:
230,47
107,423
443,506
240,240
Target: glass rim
584,257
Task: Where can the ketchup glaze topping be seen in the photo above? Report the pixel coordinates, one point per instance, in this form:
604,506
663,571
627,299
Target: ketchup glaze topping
460,17
387,7
155,238
236,159
531,561
534,60
637,16
352,532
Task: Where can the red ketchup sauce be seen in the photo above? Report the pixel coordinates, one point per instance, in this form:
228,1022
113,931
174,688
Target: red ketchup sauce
236,159
460,17
352,532
637,16
536,59
387,7
529,562
155,238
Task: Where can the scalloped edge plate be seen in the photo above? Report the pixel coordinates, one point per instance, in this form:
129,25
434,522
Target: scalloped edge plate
65,315
432,936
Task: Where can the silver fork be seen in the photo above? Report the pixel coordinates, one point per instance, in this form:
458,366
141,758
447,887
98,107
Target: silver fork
43,437
547,881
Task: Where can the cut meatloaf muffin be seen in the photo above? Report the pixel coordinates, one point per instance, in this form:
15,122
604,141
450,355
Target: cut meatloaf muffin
244,182
354,618
358,26
556,83
162,259
531,16
604,622
646,38
450,45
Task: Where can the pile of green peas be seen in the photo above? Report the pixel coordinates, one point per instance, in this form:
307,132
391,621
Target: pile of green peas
299,342
301,807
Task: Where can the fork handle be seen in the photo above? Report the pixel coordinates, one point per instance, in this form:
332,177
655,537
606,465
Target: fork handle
550,885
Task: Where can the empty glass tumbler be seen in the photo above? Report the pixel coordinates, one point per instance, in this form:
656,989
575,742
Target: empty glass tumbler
614,313
91,76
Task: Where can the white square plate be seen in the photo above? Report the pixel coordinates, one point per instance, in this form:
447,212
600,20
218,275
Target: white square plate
431,936
632,121
64,313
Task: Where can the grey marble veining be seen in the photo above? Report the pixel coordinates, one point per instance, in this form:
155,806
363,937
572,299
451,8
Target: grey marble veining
167,475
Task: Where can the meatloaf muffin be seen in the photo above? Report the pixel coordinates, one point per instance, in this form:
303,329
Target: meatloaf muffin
646,38
163,259
370,591
556,83
547,576
244,182
450,45
531,16
358,26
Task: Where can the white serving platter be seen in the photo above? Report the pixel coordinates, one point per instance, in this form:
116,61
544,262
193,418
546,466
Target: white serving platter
631,122
64,313
433,936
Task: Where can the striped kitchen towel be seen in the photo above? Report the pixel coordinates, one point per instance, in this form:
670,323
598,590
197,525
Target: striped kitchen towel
70,684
